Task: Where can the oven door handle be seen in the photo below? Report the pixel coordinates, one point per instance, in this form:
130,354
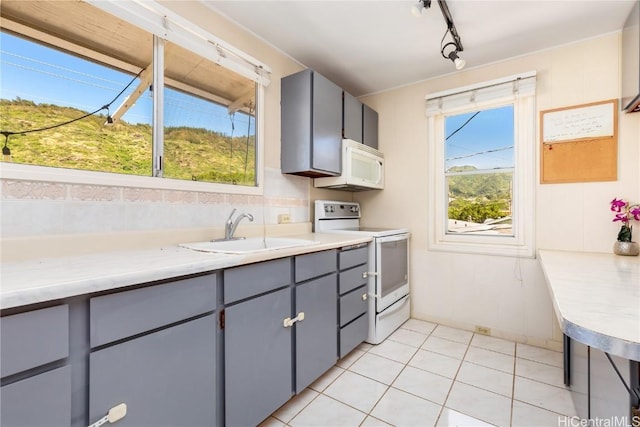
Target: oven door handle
393,238
398,306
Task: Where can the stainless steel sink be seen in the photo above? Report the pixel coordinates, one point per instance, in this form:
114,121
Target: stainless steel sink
247,246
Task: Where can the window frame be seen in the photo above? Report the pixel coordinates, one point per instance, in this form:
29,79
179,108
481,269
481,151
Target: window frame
521,244
184,34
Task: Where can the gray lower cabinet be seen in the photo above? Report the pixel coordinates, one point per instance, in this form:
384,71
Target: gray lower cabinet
280,332
257,351
353,321
154,349
166,378
34,347
316,335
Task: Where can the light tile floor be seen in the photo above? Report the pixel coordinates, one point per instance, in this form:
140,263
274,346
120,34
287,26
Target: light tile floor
432,375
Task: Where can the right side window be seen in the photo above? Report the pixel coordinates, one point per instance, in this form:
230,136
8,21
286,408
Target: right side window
482,168
479,167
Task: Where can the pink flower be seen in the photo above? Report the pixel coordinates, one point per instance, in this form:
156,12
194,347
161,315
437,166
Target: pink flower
635,211
621,217
617,205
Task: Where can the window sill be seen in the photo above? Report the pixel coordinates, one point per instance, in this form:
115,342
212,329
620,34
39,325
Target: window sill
71,176
519,251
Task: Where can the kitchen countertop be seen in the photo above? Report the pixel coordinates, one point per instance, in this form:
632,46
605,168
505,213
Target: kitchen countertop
596,297
46,279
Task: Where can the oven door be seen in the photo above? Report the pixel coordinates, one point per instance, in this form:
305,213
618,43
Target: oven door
392,268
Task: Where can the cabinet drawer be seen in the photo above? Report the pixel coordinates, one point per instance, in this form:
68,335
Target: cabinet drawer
351,279
315,264
249,280
353,305
353,335
354,257
128,313
33,338
42,400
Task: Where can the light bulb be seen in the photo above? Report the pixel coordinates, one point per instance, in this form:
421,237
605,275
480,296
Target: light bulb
6,154
457,61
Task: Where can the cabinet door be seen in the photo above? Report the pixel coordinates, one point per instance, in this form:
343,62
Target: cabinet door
257,351
43,400
327,125
369,127
316,335
166,378
351,118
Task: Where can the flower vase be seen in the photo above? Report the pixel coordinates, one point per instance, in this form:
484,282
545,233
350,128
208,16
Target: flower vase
626,248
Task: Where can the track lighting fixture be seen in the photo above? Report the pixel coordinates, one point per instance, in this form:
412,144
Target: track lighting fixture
456,44
417,8
453,55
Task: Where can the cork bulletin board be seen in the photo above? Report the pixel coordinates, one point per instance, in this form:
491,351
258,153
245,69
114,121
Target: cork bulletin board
579,143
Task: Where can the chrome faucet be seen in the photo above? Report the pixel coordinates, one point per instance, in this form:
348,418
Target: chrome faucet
230,226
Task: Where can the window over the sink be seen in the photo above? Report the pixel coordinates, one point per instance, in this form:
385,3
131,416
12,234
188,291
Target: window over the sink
162,97
481,154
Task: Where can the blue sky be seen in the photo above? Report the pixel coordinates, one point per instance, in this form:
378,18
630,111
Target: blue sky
44,75
490,130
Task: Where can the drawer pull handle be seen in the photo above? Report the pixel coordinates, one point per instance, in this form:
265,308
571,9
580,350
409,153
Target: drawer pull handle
115,414
288,322
366,274
364,297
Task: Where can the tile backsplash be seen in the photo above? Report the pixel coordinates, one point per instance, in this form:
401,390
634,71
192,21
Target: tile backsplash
33,208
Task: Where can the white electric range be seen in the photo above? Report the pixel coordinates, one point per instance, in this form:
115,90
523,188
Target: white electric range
388,276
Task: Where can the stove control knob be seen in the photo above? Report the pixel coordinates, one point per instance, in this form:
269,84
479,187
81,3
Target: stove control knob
354,209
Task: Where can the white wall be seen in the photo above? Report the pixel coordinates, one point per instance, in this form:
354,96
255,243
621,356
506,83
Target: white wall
508,295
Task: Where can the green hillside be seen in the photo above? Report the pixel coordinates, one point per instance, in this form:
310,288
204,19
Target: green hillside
190,153
478,197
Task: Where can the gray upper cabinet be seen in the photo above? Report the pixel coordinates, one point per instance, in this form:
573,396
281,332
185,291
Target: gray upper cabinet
351,118
369,127
311,125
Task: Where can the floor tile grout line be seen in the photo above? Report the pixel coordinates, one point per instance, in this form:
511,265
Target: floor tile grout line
513,383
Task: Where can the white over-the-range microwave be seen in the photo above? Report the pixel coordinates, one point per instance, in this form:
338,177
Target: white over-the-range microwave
362,169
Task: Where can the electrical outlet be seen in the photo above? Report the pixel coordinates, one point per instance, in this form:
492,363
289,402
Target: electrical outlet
483,330
284,219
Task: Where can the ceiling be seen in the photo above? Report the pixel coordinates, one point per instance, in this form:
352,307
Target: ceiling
372,46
